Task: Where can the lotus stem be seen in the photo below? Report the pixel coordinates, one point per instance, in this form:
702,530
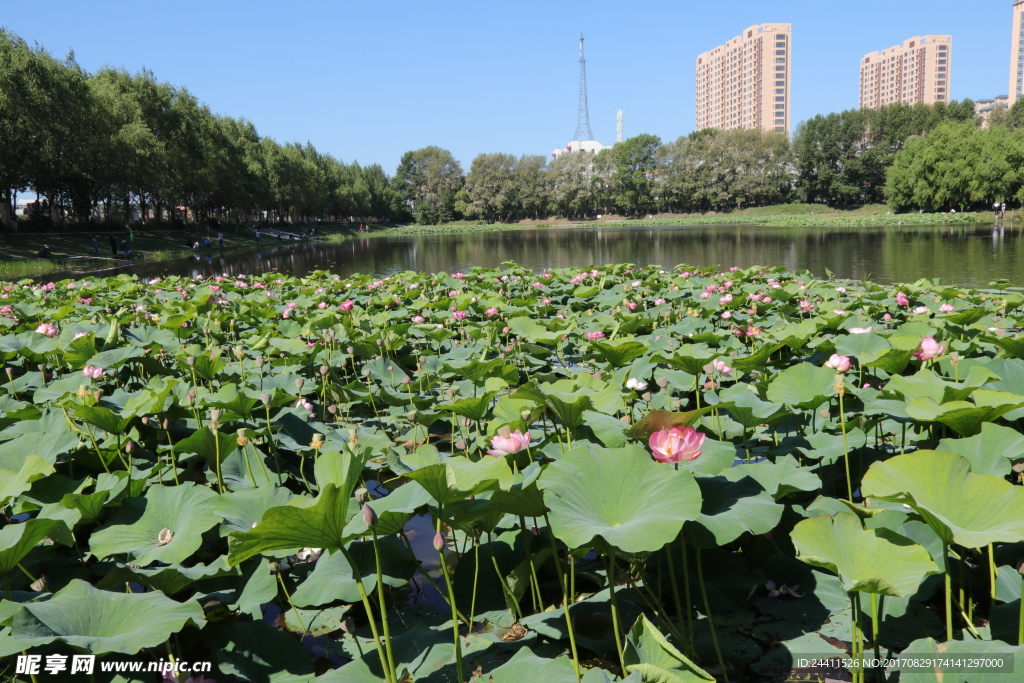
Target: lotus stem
287,595
686,593
501,579
675,597
711,621
426,575
846,450
369,614
949,594
384,607
538,602
615,611
992,572
1020,615
476,576
876,601
565,597
451,598
216,447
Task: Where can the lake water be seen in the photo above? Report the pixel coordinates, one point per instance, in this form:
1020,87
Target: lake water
960,254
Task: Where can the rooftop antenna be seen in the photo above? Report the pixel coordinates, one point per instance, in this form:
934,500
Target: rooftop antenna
583,131
620,115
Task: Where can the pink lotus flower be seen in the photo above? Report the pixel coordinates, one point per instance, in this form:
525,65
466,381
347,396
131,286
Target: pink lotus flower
595,335
659,302
322,305
78,335
727,315
636,384
49,329
901,299
631,305
507,442
725,300
705,295
459,315
861,330
419,319
887,317
838,363
92,372
947,308
492,311
346,305
929,348
807,305
676,444
718,366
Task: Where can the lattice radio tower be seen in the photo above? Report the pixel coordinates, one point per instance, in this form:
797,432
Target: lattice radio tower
583,131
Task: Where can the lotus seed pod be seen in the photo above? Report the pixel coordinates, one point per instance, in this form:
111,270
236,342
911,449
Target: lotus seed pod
362,495
83,392
439,542
317,442
369,516
164,537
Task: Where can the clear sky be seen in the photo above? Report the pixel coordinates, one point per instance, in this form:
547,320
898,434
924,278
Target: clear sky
370,80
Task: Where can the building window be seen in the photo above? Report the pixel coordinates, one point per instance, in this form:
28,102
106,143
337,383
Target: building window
779,106
780,99
940,68
780,60
780,68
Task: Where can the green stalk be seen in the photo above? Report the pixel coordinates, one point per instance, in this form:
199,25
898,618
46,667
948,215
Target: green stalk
992,571
451,598
298,617
875,600
675,597
855,643
686,589
846,449
504,586
949,594
538,602
476,576
707,611
565,598
369,614
1020,616
384,607
426,575
615,611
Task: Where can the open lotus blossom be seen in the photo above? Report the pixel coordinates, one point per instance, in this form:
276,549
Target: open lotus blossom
947,308
901,299
636,384
861,330
838,363
507,442
723,300
491,312
49,329
459,315
920,310
718,366
595,335
92,372
676,445
418,319
346,305
929,349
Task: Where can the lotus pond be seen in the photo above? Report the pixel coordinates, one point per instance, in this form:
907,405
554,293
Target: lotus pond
506,475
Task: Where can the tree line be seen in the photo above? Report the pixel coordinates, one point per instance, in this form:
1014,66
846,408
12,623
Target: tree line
113,144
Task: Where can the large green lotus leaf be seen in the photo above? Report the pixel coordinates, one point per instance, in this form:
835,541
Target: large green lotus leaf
393,510
620,352
103,621
1012,657
204,442
620,495
138,527
757,360
730,509
18,540
334,579
779,479
689,358
16,482
104,418
341,469
526,666
962,417
867,560
610,430
473,408
321,525
115,357
47,447
804,385
864,347
524,497
256,651
242,510
991,451
749,410
970,509
650,653
458,477
829,448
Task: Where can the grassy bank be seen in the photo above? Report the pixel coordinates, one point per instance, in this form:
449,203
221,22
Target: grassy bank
796,215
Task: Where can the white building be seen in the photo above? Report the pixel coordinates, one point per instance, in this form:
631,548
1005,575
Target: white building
591,146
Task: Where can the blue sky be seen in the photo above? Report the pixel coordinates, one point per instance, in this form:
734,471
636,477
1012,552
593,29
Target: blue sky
368,81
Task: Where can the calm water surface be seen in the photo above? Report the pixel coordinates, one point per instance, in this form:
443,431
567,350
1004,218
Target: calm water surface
960,254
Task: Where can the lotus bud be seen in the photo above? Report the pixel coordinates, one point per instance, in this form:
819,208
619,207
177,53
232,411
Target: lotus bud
460,445
299,382
646,396
332,409
406,380
662,382
265,399
349,350
39,585
625,419
323,370
243,438
166,424
366,373
190,398
129,447
369,516
164,537
439,542
145,420
191,360
466,422
317,442
259,361
97,395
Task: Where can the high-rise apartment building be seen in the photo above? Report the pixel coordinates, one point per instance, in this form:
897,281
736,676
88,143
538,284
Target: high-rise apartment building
1017,53
745,82
916,71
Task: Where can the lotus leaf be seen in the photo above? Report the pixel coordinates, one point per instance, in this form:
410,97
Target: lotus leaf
99,621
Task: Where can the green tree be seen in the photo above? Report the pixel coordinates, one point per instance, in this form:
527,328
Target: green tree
427,180
635,171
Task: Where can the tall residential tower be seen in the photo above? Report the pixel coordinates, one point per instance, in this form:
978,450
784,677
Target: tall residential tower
745,82
916,71
1017,53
